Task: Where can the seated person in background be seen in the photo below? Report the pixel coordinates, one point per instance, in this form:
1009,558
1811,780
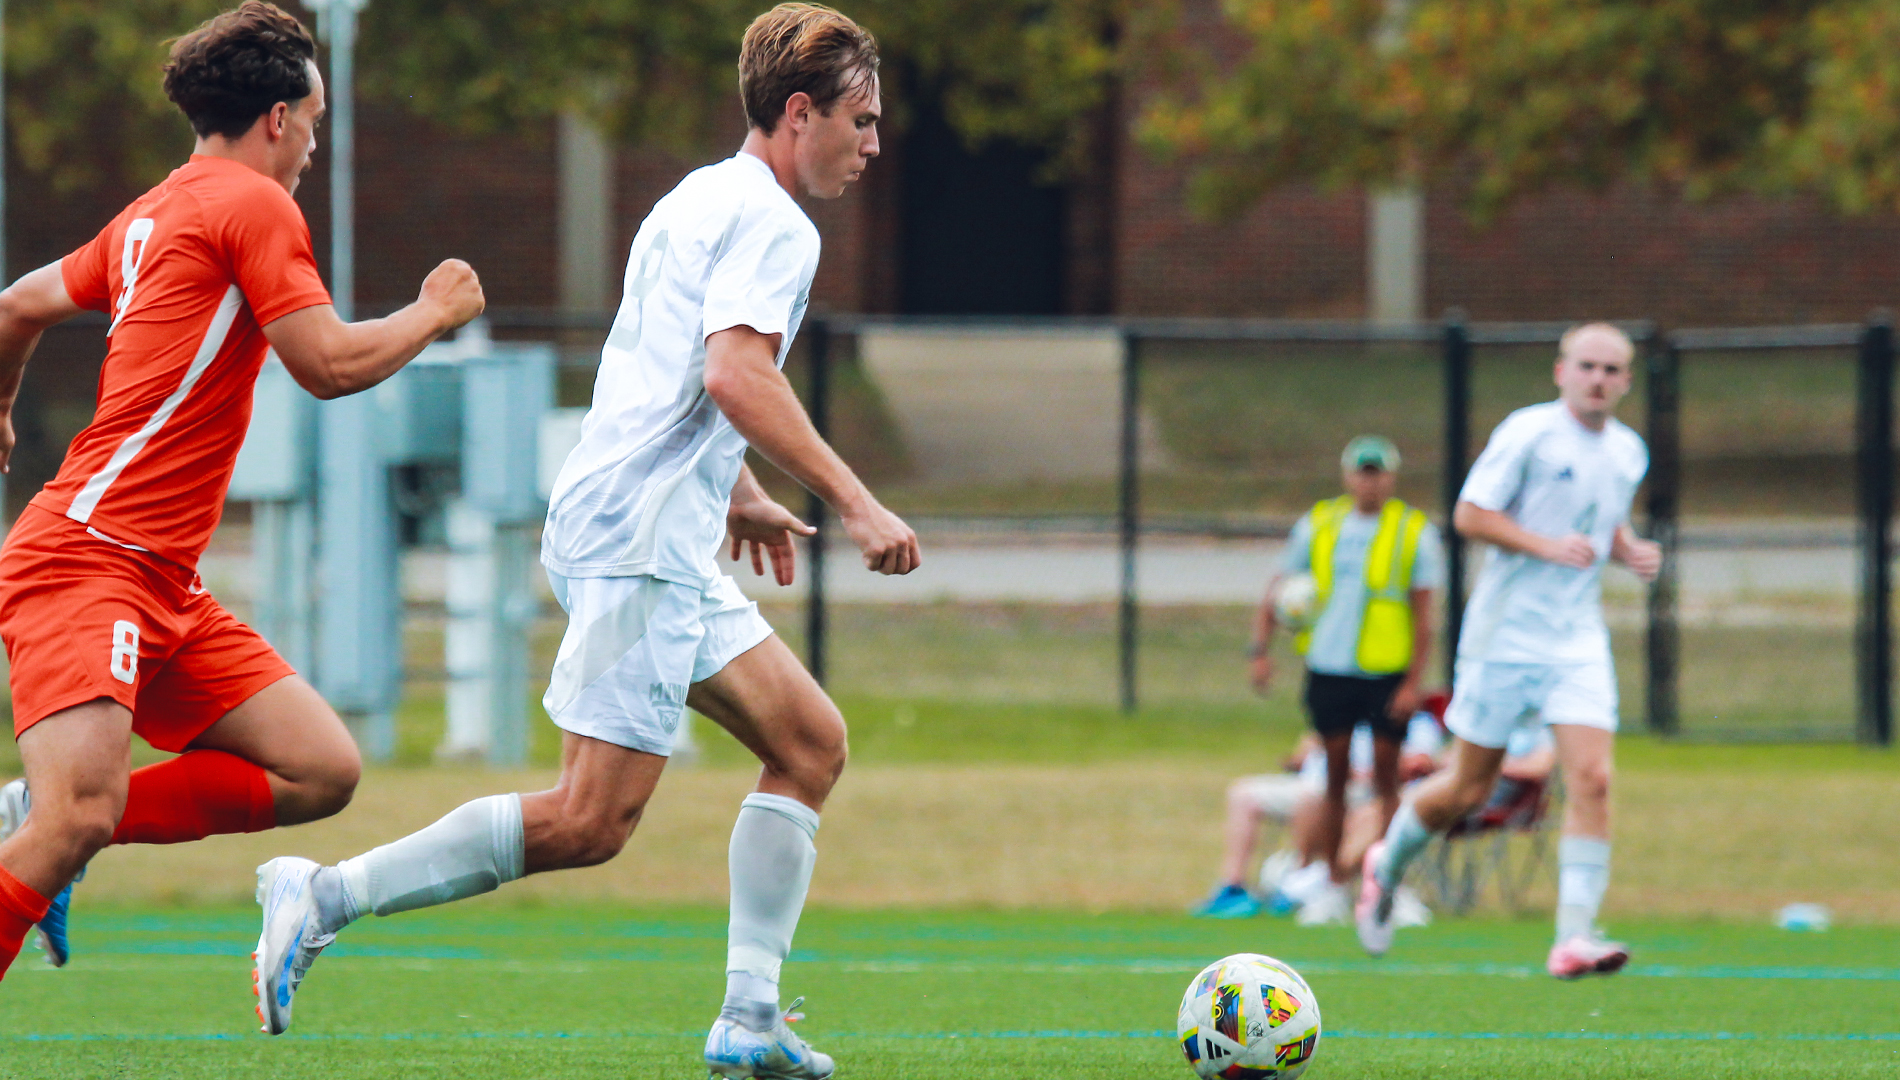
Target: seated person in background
1529,757
1294,798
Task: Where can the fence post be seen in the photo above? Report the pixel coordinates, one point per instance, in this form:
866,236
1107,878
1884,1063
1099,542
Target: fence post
1130,512
818,342
1874,488
1662,641
1457,365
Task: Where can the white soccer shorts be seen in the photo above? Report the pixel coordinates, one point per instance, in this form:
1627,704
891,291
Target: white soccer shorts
1489,700
632,648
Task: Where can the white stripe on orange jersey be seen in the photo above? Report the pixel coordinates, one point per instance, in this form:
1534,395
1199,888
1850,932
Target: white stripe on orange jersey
88,498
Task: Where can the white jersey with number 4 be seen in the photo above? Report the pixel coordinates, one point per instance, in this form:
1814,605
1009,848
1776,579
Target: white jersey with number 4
1554,477
646,490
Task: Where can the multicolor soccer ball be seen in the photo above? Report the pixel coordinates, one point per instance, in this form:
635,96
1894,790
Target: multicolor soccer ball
1248,1017
1296,604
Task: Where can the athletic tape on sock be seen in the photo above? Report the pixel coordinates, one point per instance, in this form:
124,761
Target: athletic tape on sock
770,859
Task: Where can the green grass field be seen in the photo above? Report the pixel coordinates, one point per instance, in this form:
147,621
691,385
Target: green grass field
493,990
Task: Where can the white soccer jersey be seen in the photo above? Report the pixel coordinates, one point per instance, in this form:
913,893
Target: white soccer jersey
1554,477
647,488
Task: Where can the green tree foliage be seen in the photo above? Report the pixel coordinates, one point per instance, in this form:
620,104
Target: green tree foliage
84,104
649,71
653,71
1505,97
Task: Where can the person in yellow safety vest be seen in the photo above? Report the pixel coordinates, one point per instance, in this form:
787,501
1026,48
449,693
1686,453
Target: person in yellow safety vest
1376,565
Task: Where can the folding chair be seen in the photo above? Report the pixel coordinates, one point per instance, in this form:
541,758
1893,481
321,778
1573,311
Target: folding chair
1503,845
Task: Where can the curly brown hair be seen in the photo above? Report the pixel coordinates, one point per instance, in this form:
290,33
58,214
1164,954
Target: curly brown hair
237,65
801,48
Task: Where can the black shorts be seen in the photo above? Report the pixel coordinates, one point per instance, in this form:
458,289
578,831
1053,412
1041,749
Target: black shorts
1339,703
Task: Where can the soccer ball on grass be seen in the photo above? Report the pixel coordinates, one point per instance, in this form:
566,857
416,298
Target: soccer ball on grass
1248,1017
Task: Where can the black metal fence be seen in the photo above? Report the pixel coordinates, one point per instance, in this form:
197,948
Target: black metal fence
1814,402
1460,346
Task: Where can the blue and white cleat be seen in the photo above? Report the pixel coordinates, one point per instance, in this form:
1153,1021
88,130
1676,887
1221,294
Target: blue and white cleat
15,803
52,929
290,941
734,1050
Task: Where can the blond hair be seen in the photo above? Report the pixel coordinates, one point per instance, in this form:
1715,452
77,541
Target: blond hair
1563,343
801,49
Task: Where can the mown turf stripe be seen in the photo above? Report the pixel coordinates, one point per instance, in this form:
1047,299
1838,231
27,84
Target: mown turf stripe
1532,1036
907,964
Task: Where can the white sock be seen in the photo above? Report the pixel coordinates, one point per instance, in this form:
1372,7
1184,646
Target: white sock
473,849
1583,873
1404,839
771,859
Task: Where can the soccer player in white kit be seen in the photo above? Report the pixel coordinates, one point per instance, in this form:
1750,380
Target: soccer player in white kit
716,286
1551,495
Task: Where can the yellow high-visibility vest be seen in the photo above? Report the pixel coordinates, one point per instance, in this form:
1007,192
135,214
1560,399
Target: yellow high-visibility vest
1385,625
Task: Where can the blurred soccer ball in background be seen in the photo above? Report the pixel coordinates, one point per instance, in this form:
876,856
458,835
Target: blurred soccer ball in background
1296,605
1248,1017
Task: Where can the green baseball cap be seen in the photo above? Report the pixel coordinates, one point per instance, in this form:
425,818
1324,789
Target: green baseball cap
1370,452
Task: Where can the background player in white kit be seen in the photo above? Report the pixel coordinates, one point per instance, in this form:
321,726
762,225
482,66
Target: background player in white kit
717,283
1551,495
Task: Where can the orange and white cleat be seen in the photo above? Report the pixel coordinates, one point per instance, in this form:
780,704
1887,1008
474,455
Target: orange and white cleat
1575,957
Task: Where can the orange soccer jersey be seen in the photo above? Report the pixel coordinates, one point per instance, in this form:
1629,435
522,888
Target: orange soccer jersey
98,589
189,275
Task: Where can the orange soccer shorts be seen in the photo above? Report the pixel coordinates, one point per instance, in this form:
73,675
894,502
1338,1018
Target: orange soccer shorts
84,618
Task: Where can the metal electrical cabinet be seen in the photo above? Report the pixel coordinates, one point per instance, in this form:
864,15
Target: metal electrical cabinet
450,444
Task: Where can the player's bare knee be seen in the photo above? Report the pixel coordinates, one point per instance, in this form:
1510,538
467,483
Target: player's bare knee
594,836
329,795
820,771
598,840
1468,794
813,762
1237,799
1591,783
86,827
336,781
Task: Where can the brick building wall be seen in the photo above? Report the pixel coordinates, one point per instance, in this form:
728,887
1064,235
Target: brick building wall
1636,253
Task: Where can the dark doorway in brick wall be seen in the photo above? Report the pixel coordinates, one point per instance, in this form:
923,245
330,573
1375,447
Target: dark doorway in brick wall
980,235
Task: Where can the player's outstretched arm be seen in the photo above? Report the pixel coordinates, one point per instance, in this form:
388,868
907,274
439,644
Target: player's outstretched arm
27,308
1474,522
333,359
743,379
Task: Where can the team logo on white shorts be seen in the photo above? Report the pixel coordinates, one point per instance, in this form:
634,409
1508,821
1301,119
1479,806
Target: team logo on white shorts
667,700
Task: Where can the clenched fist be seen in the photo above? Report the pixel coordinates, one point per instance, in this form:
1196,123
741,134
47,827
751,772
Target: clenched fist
454,289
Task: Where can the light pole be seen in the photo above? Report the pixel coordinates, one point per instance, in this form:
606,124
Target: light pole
359,607
336,24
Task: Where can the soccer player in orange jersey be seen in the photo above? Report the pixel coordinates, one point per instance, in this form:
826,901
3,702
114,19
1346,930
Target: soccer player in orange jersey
106,624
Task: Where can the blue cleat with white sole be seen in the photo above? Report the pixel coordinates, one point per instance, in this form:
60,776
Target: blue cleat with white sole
291,939
15,804
734,1050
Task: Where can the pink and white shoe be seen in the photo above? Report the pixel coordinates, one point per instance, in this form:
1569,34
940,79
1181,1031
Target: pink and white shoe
1373,913
1581,955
